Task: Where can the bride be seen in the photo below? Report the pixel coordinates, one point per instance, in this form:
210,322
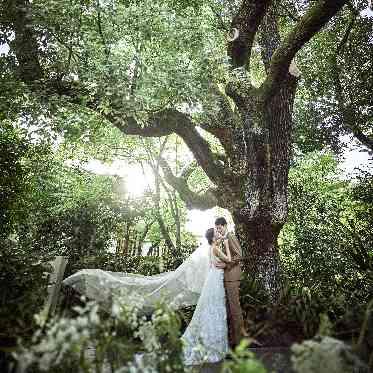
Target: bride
206,338
197,281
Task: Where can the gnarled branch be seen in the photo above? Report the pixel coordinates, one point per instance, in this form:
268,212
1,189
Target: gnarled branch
221,121
188,170
192,199
246,22
314,19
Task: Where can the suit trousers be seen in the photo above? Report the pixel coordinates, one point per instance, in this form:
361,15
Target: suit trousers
234,312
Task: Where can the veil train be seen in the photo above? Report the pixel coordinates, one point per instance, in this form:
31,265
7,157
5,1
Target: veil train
179,288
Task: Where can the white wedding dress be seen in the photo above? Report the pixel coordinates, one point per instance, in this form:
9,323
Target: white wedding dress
206,337
195,282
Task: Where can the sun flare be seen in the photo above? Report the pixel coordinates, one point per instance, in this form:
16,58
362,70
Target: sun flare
135,181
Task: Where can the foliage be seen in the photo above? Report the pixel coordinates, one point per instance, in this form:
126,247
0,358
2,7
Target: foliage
63,209
344,48
321,239
69,211
243,361
10,185
15,147
123,339
23,285
147,50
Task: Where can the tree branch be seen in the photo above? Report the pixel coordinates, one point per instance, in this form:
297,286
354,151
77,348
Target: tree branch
172,121
144,234
192,200
245,25
288,12
25,42
314,19
172,201
155,163
156,126
221,120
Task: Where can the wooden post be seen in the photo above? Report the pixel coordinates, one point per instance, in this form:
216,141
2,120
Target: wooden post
54,287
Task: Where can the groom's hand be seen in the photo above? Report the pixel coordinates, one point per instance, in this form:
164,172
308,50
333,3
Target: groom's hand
220,265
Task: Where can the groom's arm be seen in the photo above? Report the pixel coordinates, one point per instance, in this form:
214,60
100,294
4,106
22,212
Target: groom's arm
235,248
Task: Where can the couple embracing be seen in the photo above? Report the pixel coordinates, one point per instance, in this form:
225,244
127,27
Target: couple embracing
217,322
209,278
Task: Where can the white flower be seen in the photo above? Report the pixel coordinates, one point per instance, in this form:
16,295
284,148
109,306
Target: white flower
115,310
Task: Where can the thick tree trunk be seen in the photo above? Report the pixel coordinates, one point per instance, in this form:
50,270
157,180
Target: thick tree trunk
261,260
263,209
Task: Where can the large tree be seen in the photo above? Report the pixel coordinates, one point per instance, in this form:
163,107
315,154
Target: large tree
252,121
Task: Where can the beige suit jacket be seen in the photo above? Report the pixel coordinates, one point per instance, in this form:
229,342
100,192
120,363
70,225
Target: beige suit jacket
232,272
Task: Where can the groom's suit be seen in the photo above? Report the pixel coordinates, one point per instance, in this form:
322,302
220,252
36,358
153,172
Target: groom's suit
232,274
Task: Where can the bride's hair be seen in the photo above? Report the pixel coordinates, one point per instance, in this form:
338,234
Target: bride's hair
220,221
210,233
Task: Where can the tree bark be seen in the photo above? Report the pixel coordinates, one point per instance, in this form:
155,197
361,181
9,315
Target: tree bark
262,196
261,261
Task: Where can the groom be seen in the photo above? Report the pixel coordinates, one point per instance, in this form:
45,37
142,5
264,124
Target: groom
232,274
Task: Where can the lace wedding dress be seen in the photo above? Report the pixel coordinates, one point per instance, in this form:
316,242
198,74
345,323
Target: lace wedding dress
206,337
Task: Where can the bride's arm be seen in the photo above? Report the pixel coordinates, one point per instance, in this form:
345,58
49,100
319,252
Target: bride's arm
217,252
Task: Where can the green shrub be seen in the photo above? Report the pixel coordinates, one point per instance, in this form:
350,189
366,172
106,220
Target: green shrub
23,289
243,361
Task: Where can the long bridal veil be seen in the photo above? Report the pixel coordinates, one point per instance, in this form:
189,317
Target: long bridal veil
178,288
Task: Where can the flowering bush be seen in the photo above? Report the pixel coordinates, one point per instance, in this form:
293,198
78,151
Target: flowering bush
124,340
